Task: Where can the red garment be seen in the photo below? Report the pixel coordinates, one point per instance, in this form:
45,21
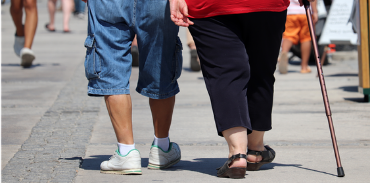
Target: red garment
209,8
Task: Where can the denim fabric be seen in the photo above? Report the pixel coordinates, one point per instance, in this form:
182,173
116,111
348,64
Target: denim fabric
80,6
112,25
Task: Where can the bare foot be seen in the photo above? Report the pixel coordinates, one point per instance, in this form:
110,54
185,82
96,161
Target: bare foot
254,158
306,70
240,162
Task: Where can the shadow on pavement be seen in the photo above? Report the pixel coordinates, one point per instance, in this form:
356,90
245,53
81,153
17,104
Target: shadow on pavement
358,100
201,165
18,65
93,162
297,166
349,88
342,75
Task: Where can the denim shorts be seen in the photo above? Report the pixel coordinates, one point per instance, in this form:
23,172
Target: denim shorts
112,25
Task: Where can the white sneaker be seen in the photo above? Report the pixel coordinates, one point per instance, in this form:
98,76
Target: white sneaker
27,57
118,164
18,44
159,159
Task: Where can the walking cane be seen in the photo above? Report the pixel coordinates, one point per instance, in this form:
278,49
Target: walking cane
323,88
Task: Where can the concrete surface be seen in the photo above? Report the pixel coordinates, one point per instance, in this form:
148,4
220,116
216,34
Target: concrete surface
53,132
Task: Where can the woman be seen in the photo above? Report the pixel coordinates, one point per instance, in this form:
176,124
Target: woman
67,10
238,44
24,33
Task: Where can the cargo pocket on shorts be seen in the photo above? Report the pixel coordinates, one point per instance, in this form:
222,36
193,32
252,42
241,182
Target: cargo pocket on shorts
92,59
177,60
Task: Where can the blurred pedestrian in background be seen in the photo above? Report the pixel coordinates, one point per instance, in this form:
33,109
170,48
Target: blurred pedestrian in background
194,59
135,52
67,10
297,31
80,7
24,34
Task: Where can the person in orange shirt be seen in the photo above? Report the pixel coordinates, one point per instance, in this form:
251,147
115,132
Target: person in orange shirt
297,31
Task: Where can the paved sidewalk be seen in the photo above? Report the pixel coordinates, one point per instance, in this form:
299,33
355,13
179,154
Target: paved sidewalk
53,132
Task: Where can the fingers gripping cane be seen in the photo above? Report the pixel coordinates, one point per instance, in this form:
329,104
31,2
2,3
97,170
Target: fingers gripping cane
323,88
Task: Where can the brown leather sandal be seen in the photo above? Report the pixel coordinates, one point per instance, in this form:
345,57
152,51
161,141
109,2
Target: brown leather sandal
234,172
267,157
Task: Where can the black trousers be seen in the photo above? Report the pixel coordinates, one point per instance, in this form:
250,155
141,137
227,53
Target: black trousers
238,55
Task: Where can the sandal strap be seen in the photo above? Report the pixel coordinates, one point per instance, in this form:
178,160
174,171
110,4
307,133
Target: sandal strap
236,156
231,159
253,152
268,154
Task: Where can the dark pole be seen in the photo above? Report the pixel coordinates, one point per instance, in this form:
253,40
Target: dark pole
323,88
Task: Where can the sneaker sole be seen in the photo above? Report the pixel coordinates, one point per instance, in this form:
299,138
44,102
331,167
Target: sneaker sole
123,172
27,60
160,167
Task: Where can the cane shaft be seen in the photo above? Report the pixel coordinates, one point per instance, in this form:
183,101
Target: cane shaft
323,86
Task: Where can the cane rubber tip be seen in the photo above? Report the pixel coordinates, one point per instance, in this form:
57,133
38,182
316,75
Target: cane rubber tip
340,172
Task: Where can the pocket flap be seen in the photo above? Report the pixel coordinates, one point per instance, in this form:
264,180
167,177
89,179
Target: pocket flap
89,42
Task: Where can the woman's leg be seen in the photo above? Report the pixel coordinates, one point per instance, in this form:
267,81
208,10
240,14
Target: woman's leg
236,139
51,7
67,10
225,68
255,142
30,25
16,10
260,40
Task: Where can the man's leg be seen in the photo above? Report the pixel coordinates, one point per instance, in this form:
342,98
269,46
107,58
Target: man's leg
120,112
163,154
162,110
126,160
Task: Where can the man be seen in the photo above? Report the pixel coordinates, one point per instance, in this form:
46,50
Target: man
112,26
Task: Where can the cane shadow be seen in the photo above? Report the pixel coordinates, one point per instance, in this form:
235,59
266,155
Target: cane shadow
201,165
209,165
296,166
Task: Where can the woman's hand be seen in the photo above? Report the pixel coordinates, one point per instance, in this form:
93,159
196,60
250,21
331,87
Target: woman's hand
179,13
